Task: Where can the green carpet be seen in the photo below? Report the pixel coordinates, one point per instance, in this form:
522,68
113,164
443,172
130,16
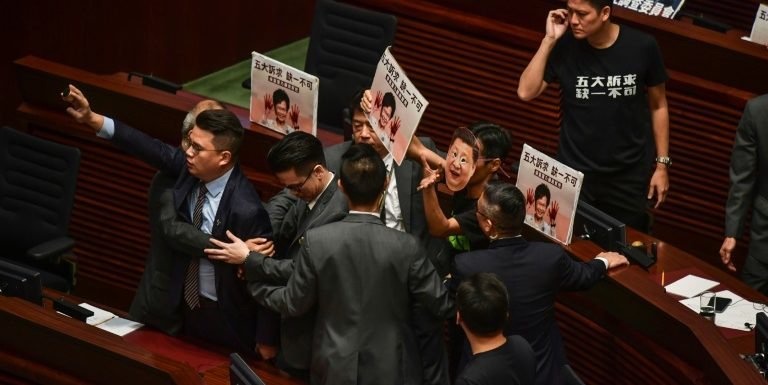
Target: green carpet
226,85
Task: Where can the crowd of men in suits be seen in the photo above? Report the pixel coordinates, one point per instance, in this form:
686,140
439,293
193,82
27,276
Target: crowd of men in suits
348,275
341,263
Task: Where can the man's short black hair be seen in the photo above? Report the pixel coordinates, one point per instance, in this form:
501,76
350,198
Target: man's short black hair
483,303
299,151
362,174
600,4
542,191
225,127
281,96
389,101
496,139
504,206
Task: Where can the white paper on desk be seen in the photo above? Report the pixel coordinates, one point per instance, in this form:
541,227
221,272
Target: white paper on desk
119,326
690,286
739,312
99,315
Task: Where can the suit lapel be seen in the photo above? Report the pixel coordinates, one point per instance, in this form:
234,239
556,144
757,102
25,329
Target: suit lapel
403,176
181,190
220,225
306,220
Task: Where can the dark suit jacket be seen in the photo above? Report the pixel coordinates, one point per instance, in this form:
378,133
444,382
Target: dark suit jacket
533,272
408,175
171,238
363,277
749,178
290,222
240,211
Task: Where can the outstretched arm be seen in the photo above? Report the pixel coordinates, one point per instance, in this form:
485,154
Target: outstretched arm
298,296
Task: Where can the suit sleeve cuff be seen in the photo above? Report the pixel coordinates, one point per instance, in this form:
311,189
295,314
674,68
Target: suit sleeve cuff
605,261
251,265
107,130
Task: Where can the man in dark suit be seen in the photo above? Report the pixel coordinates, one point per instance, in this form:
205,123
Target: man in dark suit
404,210
403,205
311,198
212,193
170,236
749,188
362,277
533,273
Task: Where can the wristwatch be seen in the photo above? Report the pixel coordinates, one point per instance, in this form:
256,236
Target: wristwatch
665,160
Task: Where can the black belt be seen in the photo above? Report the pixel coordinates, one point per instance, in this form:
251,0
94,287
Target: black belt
208,303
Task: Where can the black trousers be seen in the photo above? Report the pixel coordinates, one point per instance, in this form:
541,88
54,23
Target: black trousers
210,324
622,195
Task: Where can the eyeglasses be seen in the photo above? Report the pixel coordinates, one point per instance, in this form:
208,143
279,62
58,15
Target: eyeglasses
296,188
480,213
195,148
759,306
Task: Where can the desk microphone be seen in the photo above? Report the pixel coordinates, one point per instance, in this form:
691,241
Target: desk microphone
156,82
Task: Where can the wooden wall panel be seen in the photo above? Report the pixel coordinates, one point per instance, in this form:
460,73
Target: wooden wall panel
601,357
176,39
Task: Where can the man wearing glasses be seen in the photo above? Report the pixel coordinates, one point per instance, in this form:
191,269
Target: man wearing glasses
214,195
311,198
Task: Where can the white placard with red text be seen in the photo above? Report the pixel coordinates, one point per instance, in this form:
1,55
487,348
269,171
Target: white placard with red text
283,98
552,192
397,106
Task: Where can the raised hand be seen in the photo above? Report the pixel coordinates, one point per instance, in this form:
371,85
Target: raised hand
529,197
557,23
268,105
366,101
379,100
294,115
80,109
394,125
430,176
553,209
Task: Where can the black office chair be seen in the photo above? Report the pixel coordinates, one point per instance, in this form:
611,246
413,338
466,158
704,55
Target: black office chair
37,190
345,46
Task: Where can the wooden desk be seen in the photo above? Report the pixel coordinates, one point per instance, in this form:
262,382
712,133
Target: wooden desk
40,346
627,329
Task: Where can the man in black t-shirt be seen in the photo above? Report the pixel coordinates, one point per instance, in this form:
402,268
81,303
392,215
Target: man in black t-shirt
482,313
614,107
